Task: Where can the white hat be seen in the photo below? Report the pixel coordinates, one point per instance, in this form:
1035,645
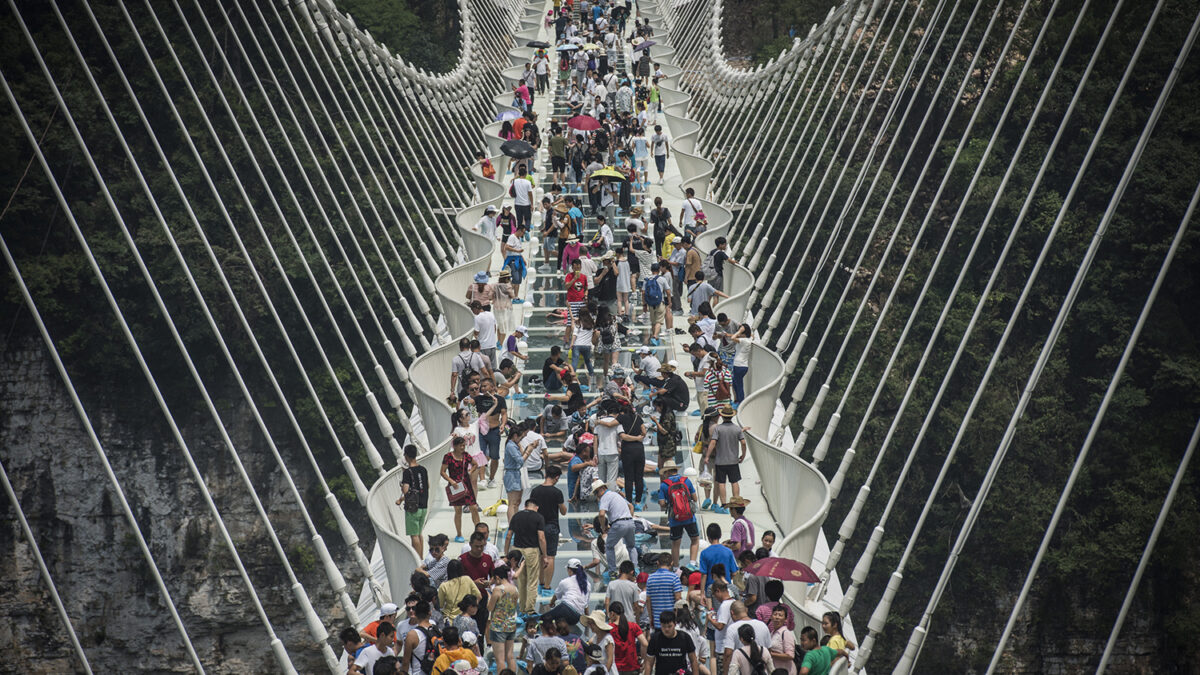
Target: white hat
469,638
643,350
597,484
490,209
574,563
522,330
673,363
691,472
460,666
388,608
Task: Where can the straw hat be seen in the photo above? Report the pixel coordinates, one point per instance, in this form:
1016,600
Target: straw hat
562,208
596,620
738,502
728,411
505,273
668,465
635,211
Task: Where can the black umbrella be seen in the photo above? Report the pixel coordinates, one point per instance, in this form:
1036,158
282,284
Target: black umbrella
517,149
538,44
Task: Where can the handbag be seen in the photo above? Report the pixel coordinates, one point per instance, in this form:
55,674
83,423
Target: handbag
457,496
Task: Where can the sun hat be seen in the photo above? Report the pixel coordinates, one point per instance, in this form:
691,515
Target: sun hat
469,638
481,277
505,273
728,411
587,438
597,484
461,666
739,502
668,465
691,472
597,620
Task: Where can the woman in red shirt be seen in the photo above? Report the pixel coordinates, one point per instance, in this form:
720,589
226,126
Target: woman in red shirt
628,640
577,286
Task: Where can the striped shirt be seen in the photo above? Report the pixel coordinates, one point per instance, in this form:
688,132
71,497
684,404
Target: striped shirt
661,588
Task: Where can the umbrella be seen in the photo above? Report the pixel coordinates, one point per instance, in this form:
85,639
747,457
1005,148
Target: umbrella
567,48
609,172
538,44
591,45
507,115
644,44
583,123
517,149
783,568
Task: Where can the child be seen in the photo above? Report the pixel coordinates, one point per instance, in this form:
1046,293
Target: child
414,488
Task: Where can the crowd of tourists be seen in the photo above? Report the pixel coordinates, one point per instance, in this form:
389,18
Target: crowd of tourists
608,390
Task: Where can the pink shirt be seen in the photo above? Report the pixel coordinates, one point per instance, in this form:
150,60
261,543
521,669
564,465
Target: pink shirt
743,534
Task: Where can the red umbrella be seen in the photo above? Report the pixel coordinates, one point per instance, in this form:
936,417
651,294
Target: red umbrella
783,568
583,123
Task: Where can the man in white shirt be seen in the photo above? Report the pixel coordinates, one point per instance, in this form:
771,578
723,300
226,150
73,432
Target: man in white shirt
522,190
514,259
648,368
385,638
689,208
487,224
662,151
608,448
737,611
619,517
486,332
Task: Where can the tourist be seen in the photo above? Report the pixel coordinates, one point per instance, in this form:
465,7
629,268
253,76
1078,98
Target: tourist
677,495
726,450
817,659
628,640
716,554
670,651
831,625
537,647
417,640
624,590
663,590
751,656
414,497
601,638
741,533
453,650
551,505
783,641
662,151
486,331
457,586
570,598
616,519
383,646
502,612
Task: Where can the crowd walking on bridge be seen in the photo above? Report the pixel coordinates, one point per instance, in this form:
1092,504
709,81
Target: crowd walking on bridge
575,438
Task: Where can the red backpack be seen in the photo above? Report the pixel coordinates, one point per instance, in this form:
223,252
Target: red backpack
679,499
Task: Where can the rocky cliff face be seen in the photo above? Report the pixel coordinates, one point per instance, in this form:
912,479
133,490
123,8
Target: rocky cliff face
114,603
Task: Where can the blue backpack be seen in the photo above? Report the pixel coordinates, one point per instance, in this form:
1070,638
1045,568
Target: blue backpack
654,295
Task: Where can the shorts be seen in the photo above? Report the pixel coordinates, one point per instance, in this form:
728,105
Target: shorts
512,480
727,473
660,163
551,530
658,315
693,531
552,245
501,636
558,163
414,521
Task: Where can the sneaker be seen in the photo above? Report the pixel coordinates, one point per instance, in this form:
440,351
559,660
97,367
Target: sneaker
707,504
491,483
660,181
695,413
459,539
721,510
680,331
637,508
518,301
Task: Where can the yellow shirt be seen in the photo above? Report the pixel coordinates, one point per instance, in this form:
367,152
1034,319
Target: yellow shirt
451,655
837,642
451,592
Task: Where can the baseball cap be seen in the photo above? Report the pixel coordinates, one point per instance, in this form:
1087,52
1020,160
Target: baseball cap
642,577
695,579
388,608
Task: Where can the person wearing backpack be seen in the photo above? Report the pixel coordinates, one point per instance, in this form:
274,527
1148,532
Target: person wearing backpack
656,296
677,496
750,659
423,644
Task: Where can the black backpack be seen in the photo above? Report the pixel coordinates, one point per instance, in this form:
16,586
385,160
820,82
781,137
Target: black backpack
756,667
433,647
